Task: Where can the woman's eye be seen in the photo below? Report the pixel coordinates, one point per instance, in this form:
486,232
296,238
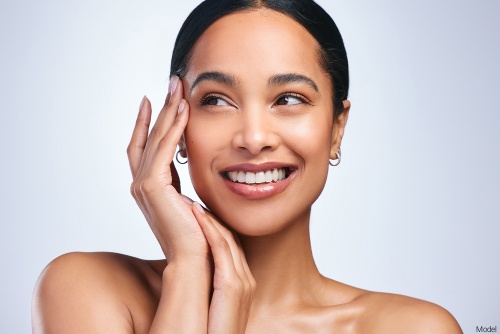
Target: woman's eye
287,100
212,100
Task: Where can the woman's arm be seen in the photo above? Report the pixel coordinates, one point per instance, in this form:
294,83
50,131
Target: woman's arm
186,281
82,293
185,297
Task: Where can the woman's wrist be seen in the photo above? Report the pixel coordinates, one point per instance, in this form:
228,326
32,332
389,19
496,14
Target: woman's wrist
186,268
185,297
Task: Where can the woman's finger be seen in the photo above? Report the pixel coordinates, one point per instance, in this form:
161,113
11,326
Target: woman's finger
245,266
163,123
161,160
237,252
139,138
221,251
228,251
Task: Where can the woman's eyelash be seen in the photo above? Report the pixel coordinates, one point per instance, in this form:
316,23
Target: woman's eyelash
205,99
294,95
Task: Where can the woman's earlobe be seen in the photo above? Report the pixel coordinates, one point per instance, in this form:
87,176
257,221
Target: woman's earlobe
182,152
338,130
334,162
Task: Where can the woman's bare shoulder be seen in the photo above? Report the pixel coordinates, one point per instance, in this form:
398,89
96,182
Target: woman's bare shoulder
356,310
392,313
96,292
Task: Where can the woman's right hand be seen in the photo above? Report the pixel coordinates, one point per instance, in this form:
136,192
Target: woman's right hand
156,186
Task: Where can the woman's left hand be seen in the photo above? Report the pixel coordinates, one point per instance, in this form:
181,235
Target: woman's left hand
233,283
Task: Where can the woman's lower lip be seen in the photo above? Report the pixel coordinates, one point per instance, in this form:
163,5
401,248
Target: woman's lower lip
261,190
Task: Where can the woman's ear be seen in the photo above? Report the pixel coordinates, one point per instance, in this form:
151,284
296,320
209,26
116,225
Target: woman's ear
338,129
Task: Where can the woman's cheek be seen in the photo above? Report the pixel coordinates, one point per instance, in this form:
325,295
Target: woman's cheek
205,138
308,135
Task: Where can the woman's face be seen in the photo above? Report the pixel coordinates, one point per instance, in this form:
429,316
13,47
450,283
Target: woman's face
261,109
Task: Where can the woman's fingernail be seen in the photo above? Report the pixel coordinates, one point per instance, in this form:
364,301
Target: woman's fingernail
187,200
172,86
198,207
142,103
181,106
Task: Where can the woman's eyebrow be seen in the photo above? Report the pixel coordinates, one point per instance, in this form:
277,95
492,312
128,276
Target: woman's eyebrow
282,79
214,76
275,80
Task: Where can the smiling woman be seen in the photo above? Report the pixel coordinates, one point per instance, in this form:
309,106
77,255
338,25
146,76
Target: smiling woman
258,105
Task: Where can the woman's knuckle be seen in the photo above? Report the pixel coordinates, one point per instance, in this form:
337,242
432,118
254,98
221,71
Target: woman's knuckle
236,286
226,234
246,288
222,244
148,185
130,149
253,284
163,143
134,189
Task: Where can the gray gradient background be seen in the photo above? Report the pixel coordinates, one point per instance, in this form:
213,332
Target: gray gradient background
413,208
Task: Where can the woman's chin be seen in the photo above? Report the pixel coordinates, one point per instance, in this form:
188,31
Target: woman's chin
257,222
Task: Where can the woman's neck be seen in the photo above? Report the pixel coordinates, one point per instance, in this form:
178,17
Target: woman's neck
283,267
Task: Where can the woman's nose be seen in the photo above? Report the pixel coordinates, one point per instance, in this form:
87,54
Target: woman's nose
255,133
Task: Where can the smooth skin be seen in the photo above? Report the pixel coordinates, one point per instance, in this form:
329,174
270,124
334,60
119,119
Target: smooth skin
245,266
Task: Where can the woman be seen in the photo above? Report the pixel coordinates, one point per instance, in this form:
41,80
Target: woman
258,105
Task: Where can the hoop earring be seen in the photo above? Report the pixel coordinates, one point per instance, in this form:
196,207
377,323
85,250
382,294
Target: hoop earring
177,158
339,158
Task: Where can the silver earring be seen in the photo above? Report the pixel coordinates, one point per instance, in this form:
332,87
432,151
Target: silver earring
339,158
177,158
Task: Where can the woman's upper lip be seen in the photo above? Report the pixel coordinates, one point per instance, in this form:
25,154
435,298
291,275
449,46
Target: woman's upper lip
254,168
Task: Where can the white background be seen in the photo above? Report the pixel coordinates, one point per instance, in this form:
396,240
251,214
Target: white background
413,208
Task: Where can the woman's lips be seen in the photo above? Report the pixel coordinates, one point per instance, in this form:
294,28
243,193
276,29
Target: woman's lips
258,181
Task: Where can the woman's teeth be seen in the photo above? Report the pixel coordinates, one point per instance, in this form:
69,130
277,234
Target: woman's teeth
273,175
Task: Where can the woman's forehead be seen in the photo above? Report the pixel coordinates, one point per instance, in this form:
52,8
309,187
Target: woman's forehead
257,44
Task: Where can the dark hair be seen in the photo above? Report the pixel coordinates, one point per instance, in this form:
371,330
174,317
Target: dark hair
310,15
